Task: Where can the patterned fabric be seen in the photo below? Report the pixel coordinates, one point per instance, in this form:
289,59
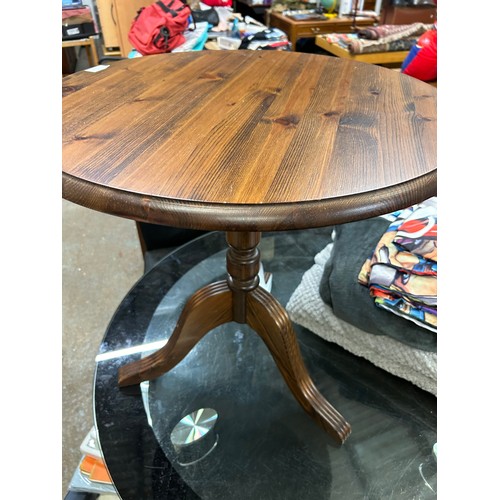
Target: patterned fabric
357,47
385,38
385,30
402,272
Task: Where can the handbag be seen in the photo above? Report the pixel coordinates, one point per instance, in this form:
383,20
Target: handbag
159,28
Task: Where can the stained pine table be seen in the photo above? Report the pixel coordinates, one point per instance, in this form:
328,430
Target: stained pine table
246,142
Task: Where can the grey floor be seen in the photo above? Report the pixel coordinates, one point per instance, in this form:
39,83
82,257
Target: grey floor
101,261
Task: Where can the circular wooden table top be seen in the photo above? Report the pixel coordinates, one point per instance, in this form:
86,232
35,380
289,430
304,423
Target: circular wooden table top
247,140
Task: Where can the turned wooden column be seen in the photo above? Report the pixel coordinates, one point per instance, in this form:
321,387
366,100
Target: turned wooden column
243,262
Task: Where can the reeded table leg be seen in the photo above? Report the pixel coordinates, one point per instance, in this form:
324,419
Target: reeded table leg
206,309
240,299
269,319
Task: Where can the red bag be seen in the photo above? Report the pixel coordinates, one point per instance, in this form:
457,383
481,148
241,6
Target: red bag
421,62
159,28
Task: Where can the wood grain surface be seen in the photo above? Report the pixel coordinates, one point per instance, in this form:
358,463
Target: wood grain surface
247,140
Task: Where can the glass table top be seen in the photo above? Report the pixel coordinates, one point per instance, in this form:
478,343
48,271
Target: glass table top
223,424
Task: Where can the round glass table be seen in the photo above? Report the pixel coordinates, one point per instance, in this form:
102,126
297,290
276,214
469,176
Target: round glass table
221,424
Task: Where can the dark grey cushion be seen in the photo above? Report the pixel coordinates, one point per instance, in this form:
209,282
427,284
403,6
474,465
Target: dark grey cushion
351,302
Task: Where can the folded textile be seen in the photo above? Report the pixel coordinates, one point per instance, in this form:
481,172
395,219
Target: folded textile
307,309
400,274
418,232
351,302
386,38
350,42
358,47
386,30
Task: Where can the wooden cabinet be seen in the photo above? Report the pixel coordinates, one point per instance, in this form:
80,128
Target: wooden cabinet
409,15
109,26
115,17
309,29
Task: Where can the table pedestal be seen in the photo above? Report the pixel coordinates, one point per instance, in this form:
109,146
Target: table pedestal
240,299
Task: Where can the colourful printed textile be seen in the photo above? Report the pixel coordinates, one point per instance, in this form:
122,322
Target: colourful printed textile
402,272
418,233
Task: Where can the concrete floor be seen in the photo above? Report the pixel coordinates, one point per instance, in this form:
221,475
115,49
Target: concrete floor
101,261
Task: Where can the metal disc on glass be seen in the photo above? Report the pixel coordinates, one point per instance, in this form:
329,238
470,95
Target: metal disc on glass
194,437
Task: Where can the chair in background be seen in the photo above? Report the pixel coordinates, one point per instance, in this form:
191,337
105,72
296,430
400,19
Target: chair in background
157,241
